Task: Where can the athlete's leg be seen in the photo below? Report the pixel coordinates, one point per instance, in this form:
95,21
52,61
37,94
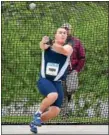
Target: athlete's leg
47,101
47,89
52,112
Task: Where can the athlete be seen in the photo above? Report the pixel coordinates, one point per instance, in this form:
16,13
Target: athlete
55,60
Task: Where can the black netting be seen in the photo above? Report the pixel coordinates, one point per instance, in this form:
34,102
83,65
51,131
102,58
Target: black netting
22,30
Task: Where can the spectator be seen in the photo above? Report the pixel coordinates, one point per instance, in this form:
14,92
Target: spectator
77,61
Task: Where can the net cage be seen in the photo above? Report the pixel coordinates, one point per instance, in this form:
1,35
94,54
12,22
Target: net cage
23,26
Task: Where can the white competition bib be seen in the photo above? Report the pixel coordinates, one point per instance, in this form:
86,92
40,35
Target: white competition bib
52,69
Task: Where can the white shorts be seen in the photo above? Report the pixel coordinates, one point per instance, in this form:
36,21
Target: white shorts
72,81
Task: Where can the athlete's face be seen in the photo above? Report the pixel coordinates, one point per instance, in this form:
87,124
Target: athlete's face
61,35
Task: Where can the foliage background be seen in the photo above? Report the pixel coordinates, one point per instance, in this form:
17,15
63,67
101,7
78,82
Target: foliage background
22,30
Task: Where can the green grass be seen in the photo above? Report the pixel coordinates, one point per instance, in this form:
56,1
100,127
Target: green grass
73,119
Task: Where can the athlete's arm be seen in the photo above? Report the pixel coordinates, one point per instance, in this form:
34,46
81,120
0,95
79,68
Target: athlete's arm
65,50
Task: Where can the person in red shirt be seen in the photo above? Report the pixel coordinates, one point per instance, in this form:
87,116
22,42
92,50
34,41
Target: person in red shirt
77,62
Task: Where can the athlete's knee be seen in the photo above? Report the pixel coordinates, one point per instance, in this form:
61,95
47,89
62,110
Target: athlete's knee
53,95
55,110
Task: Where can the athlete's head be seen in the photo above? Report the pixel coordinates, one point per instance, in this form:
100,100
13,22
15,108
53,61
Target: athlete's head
68,27
61,36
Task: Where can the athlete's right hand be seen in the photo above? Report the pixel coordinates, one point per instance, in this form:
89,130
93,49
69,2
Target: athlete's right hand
45,39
